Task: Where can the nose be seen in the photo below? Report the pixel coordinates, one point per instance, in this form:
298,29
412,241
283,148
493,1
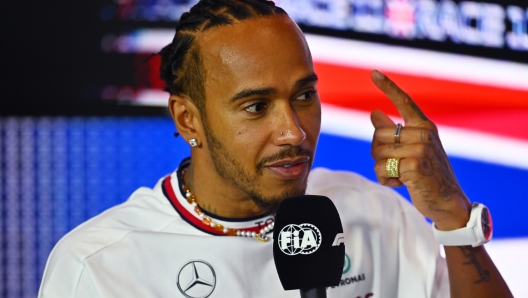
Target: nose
288,130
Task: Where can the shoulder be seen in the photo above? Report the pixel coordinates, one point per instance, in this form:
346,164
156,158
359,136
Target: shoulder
143,211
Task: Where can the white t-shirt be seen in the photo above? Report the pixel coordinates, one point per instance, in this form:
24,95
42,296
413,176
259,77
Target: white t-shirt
154,245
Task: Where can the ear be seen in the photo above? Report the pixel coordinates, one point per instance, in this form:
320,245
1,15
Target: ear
186,117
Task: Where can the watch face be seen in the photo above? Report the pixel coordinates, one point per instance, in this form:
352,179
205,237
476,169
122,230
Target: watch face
487,225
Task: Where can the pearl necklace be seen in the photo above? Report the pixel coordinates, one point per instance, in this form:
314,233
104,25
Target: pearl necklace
206,220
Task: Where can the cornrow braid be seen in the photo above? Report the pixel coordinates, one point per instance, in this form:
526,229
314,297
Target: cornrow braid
181,65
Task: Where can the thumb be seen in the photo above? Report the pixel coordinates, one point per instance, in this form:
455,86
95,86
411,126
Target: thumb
379,119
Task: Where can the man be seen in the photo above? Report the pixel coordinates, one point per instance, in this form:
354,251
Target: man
244,96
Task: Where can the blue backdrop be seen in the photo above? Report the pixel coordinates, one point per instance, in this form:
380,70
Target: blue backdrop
57,172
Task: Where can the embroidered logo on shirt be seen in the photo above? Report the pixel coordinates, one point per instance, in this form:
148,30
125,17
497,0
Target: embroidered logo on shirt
346,265
196,279
348,279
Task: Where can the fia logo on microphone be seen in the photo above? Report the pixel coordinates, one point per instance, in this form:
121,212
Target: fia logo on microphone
299,239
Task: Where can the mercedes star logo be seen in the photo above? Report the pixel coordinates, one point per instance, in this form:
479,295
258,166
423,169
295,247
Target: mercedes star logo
197,279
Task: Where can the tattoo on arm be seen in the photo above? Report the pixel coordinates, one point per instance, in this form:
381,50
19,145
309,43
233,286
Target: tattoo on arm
469,253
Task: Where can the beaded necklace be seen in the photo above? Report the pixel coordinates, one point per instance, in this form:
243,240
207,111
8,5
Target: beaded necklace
206,220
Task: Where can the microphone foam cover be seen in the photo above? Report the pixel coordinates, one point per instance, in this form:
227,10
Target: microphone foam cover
308,246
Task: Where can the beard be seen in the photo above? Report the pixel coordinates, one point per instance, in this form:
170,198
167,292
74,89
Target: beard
231,169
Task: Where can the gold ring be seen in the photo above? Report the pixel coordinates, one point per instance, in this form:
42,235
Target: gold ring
392,167
397,133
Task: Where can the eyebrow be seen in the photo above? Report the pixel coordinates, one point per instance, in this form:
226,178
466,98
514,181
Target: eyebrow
306,80
252,91
268,91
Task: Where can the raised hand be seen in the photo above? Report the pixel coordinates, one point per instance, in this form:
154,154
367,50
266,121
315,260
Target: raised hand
423,164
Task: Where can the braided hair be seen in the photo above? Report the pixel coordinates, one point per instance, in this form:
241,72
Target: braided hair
181,65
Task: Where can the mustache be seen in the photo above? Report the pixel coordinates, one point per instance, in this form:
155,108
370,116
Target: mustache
294,151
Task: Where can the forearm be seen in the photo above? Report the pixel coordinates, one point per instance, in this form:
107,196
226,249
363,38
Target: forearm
473,274
418,161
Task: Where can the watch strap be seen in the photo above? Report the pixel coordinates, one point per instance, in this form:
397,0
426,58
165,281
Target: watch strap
459,237
472,234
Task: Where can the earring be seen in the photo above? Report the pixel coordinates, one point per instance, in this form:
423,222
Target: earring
193,142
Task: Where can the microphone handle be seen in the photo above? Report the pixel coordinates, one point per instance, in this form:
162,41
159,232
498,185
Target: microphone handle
313,293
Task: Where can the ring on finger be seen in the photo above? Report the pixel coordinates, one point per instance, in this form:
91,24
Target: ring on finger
392,167
397,133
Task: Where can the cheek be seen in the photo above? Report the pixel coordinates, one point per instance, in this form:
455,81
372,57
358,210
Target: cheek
245,139
249,137
312,122
238,136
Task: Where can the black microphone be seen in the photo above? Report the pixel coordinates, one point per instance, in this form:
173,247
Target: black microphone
308,246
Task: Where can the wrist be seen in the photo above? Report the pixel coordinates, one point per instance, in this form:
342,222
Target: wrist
452,223
477,231
456,219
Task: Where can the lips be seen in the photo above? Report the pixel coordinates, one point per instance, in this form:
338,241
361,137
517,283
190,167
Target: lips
289,168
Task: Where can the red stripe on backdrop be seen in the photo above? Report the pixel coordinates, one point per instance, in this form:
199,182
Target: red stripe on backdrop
489,109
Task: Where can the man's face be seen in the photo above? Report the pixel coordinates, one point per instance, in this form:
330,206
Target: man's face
263,112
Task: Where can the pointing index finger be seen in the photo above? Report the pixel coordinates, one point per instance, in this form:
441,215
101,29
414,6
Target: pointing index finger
410,112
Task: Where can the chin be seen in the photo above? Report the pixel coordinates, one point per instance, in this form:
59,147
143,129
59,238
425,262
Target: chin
271,202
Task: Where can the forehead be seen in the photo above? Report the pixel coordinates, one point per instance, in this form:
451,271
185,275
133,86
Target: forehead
266,51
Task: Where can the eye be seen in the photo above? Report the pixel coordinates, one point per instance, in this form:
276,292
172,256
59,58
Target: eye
256,107
306,95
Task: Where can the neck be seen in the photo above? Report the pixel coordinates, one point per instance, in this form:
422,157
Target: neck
218,196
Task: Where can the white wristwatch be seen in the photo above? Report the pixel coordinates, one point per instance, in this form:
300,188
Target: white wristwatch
478,230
